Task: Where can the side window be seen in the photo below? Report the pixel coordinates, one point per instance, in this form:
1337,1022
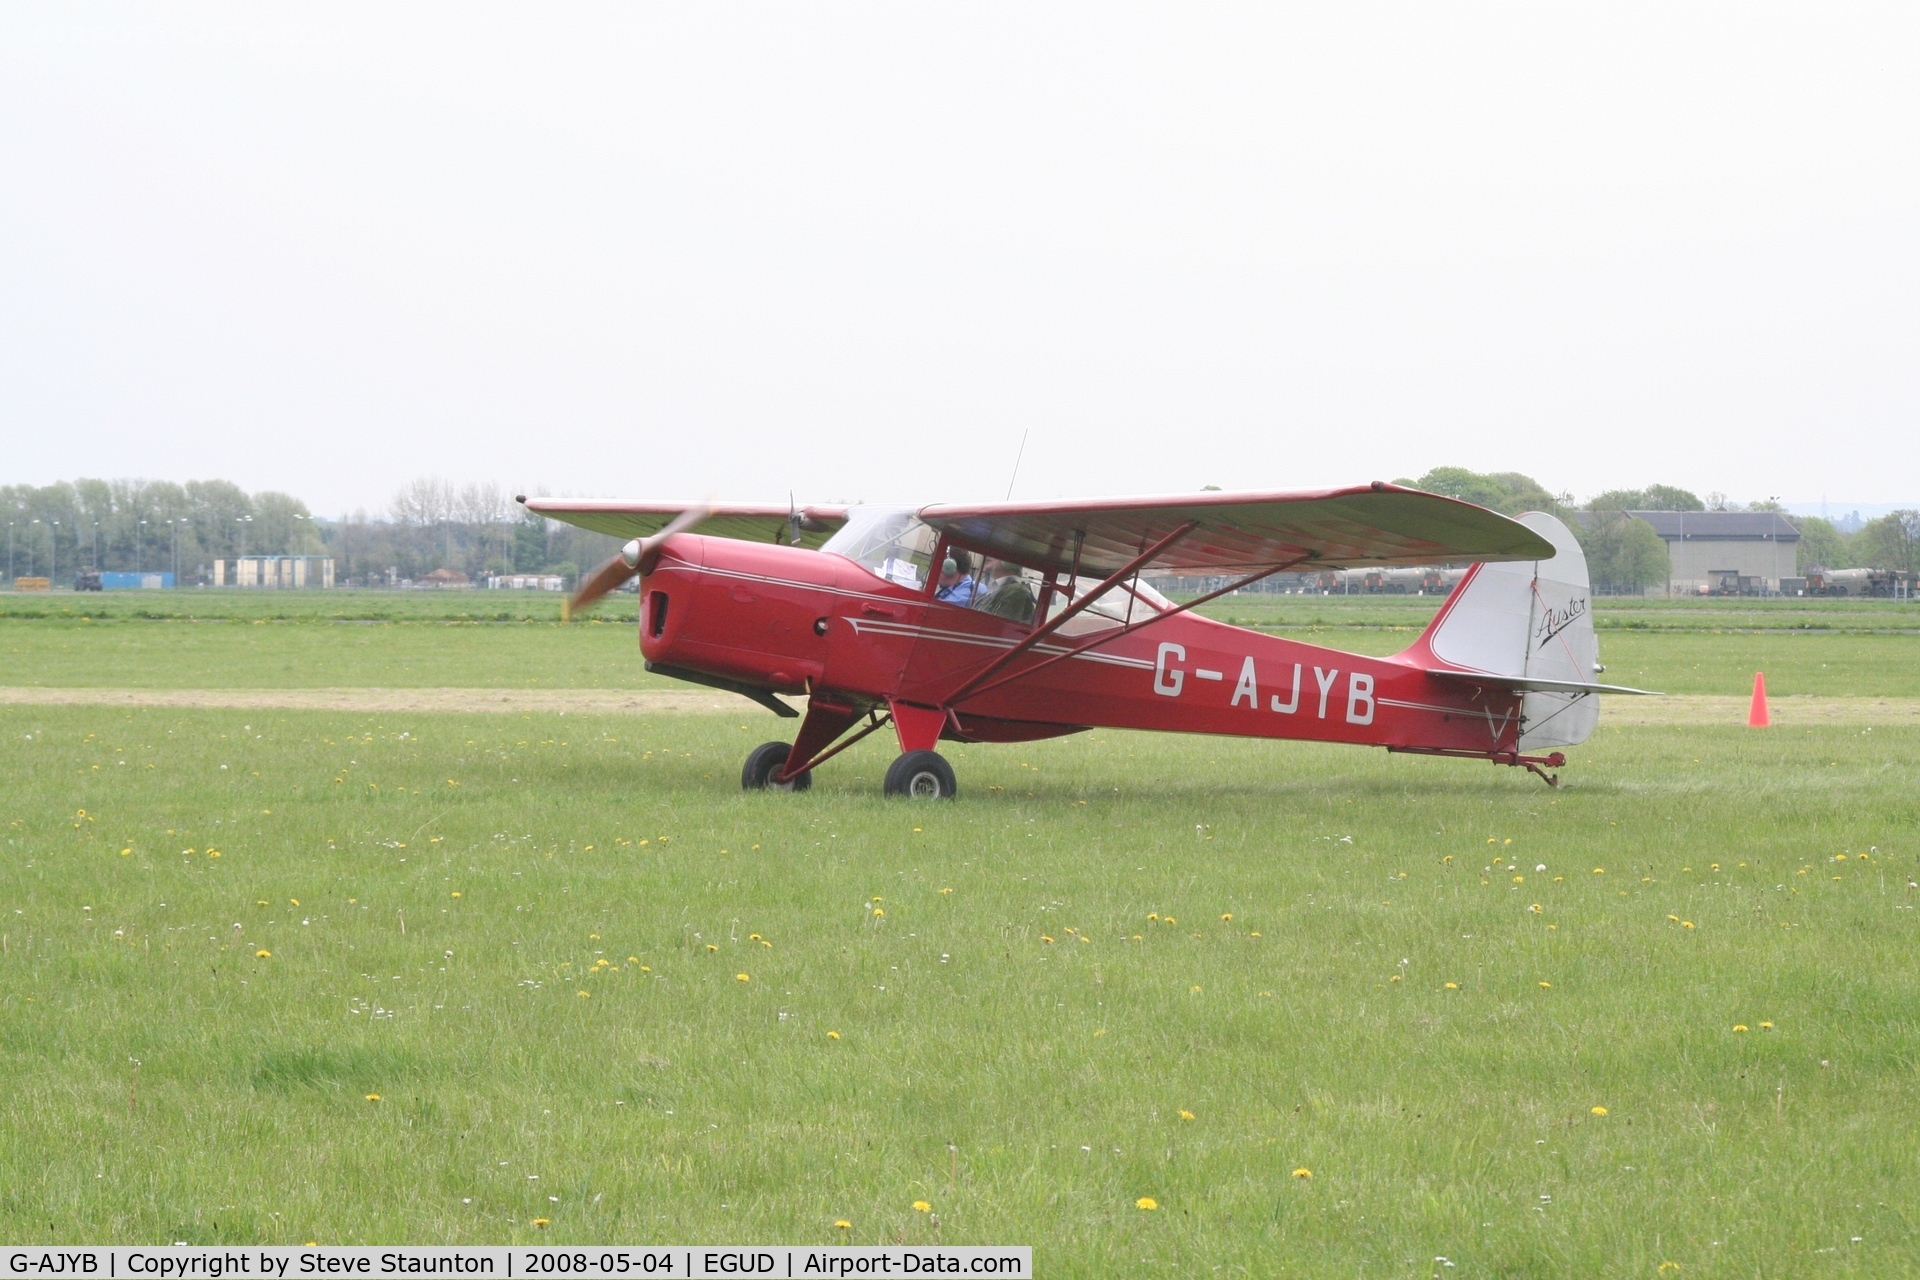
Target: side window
1006,591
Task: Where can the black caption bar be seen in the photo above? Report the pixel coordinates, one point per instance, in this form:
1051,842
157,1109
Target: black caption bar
571,1262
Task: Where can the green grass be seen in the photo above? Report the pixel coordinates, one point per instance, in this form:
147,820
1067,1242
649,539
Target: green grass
424,648
1031,1091
675,1103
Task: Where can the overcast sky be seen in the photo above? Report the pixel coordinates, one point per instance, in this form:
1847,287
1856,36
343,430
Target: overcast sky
857,251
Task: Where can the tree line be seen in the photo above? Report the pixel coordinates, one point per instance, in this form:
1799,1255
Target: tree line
477,529
1626,555
159,526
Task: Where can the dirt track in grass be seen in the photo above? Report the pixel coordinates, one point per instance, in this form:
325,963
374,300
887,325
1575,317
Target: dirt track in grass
1692,709
593,701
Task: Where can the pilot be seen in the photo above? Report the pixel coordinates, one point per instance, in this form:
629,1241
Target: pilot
1008,595
956,578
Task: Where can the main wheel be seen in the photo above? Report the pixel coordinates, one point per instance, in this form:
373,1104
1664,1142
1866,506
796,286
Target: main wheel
763,761
922,775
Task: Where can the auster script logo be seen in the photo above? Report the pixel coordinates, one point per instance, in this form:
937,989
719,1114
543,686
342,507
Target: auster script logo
1558,620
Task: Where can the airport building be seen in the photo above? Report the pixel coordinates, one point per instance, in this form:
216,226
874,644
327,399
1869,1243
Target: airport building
1727,552
285,572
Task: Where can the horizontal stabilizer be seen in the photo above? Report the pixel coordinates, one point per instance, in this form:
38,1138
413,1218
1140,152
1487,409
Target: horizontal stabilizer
1536,684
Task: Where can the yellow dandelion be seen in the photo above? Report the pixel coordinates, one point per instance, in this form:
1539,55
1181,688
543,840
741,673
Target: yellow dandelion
1686,924
586,995
1254,934
646,968
1226,915
741,977
260,902
1102,1031
1599,1111
1668,1266
1045,938
213,853
633,959
946,891
1519,879
1674,919
543,1223
1546,986
1194,987
833,1035
1303,1172
263,954
1186,1115
1453,986
1739,1026
878,911
125,852
1394,978
1535,908
373,1097
1147,1203
842,1225
921,1206
1153,917
753,937
456,893
1171,920
1766,1026
711,946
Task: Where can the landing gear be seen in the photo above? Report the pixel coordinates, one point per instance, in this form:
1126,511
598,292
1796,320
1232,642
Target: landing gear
922,775
765,760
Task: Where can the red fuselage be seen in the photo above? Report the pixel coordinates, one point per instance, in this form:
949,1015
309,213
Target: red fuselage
794,621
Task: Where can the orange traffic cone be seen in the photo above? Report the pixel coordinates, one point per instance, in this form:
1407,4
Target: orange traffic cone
1757,717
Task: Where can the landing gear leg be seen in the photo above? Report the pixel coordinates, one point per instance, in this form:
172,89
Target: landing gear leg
922,775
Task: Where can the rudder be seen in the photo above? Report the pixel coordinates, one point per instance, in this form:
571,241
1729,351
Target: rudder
1529,620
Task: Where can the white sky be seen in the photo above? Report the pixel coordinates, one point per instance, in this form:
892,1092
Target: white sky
856,251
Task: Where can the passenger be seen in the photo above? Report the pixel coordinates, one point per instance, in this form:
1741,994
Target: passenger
1007,595
956,578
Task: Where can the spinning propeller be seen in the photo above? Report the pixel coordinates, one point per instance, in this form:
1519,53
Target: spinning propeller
636,559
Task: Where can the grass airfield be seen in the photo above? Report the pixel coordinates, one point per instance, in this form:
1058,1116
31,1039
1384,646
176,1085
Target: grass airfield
524,932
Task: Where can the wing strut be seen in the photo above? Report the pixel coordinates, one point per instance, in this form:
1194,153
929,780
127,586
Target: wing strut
1129,629
1072,610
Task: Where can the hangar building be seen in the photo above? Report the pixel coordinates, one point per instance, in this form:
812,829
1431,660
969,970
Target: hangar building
1748,552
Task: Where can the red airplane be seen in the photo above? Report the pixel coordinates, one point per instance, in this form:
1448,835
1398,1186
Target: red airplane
1013,621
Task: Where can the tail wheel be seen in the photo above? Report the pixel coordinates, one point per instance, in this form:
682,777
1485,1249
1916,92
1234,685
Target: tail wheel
762,763
922,775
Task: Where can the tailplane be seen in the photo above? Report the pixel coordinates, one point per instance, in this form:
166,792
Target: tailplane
1527,625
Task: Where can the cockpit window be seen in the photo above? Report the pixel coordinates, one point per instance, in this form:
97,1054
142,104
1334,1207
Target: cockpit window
888,541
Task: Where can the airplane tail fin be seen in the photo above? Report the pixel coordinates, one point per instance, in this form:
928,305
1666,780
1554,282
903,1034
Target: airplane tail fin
1527,625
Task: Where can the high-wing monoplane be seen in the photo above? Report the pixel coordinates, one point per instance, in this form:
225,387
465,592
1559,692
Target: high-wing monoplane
1014,621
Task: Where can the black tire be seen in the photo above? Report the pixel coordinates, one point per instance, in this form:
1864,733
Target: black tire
762,761
922,775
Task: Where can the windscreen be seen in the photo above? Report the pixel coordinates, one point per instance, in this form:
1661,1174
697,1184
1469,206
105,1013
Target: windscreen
888,541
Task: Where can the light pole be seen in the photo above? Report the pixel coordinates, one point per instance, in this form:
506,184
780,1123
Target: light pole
53,551
244,521
36,520
136,544
94,553
175,526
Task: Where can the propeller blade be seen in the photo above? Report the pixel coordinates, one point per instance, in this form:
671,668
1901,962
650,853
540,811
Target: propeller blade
645,552
607,577
636,559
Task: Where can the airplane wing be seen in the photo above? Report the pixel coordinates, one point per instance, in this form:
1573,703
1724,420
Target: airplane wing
1377,524
750,522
